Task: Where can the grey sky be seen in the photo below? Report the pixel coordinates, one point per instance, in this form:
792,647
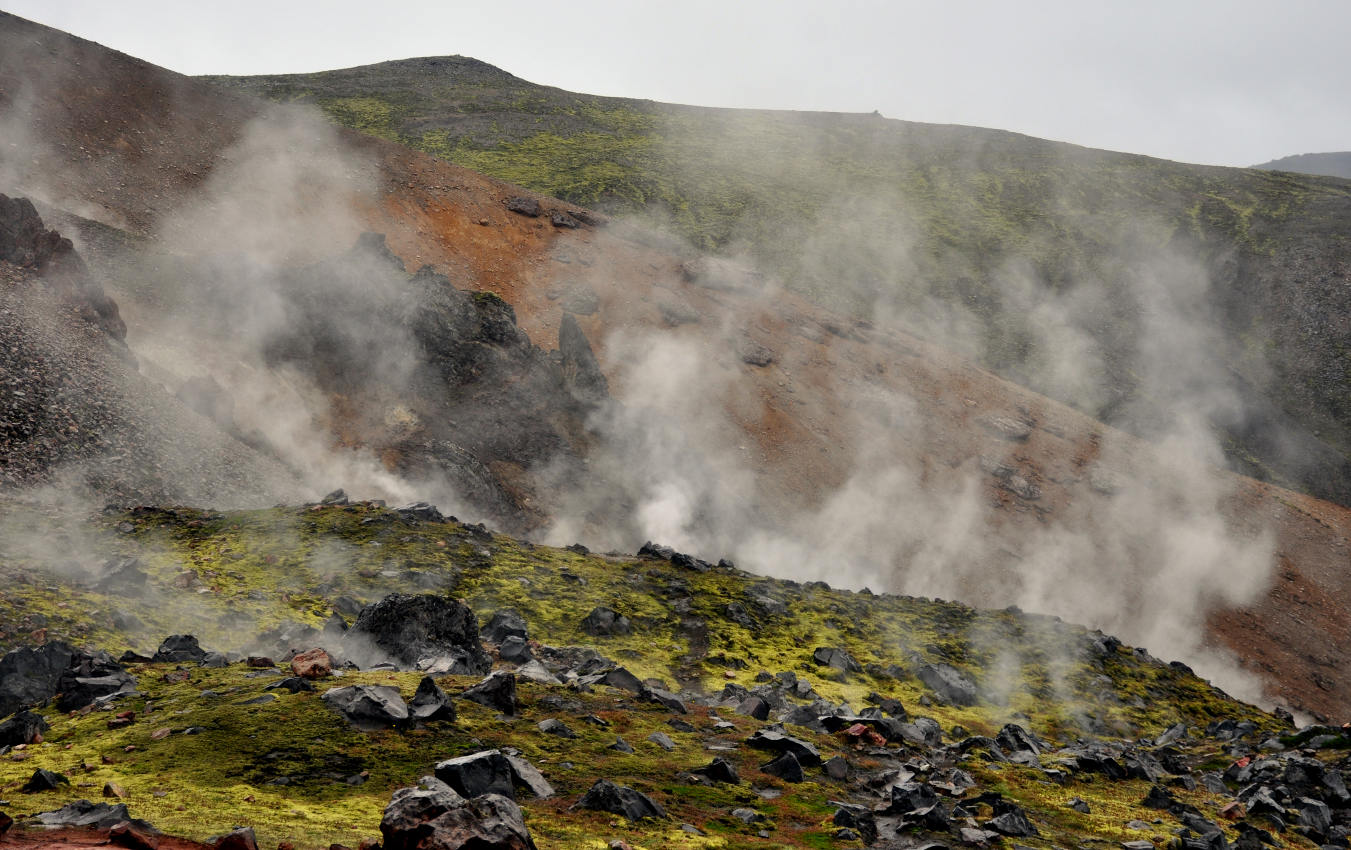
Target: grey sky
1227,82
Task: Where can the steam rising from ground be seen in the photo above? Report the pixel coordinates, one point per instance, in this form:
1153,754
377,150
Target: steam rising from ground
1146,556
1145,552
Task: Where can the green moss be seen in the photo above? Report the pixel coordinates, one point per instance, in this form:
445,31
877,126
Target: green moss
260,568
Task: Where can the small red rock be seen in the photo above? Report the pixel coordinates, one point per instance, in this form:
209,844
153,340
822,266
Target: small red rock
312,664
1234,811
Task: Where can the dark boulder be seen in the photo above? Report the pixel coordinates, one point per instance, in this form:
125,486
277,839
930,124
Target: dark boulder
605,796
179,649
554,726
121,576
830,656
859,819
431,816
1012,821
909,797
1014,738
786,767
294,684
515,650
94,815
44,780
773,739
948,683
497,691
504,624
486,772
369,707
29,676
25,727
603,621
430,704
91,677
718,770
409,629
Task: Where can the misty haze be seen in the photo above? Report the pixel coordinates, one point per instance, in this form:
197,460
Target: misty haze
414,450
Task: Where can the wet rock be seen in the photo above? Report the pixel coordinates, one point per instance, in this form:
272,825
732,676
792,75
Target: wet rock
312,664
369,707
514,650
430,704
606,796
179,649
497,691
603,621
504,624
786,767
44,780
908,797
411,629
432,816
949,683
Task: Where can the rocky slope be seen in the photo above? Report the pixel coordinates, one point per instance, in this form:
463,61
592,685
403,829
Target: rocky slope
656,700
750,422
959,233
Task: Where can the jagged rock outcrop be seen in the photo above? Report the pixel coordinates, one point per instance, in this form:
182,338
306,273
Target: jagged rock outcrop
27,243
412,629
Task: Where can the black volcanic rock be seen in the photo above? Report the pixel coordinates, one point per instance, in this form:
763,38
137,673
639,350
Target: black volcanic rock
949,683
603,621
369,707
432,816
430,703
786,767
23,728
27,243
410,629
606,796
179,649
497,691
29,676
504,624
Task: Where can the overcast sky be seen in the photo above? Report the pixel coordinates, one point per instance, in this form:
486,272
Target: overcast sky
1227,82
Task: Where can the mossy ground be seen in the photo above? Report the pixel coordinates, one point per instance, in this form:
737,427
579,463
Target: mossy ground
226,576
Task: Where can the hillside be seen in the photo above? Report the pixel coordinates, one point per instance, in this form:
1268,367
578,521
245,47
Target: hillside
735,418
1020,252
1327,164
892,702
